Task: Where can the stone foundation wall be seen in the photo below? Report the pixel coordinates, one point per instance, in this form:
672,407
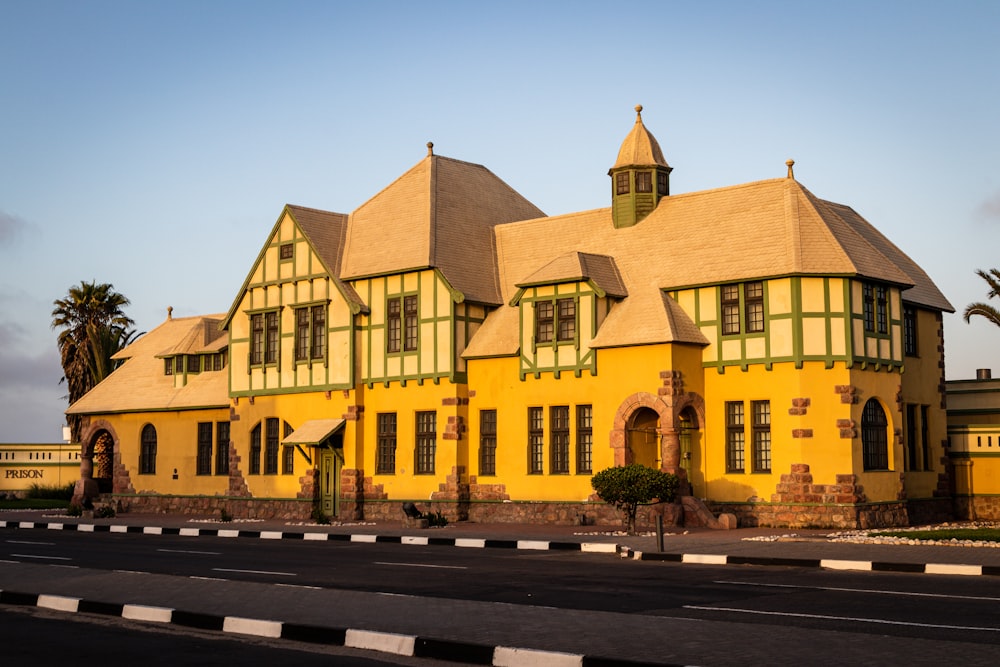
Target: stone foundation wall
215,506
978,508
815,515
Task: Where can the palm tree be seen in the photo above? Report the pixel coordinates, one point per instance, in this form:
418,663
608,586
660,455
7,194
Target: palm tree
94,327
991,313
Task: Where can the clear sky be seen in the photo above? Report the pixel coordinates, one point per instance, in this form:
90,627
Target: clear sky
153,144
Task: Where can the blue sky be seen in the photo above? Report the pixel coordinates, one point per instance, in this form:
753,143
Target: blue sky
152,144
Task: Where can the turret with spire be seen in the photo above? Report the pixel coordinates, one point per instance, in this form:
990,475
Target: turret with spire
640,177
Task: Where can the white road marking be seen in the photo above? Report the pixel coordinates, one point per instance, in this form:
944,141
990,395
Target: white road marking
873,591
852,619
44,544
41,557
277,574
441,567
185,551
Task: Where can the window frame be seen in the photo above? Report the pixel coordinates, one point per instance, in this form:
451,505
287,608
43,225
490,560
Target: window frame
271,446
385,460
147,450
644,182
910,339
393,324
545,321
729,300
622,184
735,437
874,437
536,441
254,451
203,464
761,436
559,440
753,306
584,439
425,449
488,442
222,448
265,338
411,323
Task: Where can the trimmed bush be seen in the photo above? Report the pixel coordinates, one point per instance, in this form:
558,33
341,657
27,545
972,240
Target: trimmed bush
627,487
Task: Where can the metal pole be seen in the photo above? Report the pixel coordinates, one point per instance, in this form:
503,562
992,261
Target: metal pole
659,533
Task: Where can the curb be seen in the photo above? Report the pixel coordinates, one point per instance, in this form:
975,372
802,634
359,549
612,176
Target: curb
466,542
385,642
824,563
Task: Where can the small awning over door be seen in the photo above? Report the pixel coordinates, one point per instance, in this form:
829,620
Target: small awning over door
314,432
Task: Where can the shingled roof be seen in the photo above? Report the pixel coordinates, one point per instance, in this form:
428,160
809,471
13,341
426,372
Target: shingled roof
140,383
440,214
752,231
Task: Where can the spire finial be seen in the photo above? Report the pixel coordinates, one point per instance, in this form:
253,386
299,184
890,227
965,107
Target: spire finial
638,113
430,148
170,312
791,173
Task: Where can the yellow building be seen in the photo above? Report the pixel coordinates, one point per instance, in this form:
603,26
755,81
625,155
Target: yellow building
448,343
974,438
48,465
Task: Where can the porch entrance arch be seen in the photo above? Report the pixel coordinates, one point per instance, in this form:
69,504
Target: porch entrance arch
642,436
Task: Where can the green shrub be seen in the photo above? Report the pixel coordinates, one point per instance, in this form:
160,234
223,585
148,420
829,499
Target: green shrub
74,510
51,492
627,487
104,512
225,516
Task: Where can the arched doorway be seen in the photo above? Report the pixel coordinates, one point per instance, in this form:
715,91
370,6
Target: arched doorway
642,438
103,457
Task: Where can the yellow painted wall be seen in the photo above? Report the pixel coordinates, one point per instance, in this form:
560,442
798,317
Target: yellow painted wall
176,448
42,464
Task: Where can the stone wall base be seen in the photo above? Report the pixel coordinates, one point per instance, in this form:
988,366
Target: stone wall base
844,516
978,508
217,506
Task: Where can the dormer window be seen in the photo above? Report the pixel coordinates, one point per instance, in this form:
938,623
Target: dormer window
643,181
168,366
662,183
555,318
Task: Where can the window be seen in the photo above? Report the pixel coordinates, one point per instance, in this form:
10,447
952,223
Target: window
910,331
271,447
536,441
555,318
621,183
584,439
567,319
271,331
410,323
730,309
487,442
179,364
255,450
753,308
874,436
218,361
643,181
168,366
301,333
426,442
204,466
194,364
386,462
544,321
264,338
286,251
735,436
753,298
310,332
559,429
393,325
287,459
662,184
881,310
761,435
222,448
147,450
912,462
868,301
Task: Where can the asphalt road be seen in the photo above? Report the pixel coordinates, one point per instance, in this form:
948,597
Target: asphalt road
549,600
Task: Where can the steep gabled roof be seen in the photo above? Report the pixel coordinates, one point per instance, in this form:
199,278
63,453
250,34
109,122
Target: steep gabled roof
440,214
140,384
325,231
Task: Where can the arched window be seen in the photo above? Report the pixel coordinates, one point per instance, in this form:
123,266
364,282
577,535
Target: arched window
147,450
874,436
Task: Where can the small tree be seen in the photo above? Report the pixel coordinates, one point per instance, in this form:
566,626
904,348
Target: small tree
627,487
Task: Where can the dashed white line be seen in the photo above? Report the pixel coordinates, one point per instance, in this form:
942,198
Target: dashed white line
873,591
440,567
276,574
187,551
40,557
852,619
